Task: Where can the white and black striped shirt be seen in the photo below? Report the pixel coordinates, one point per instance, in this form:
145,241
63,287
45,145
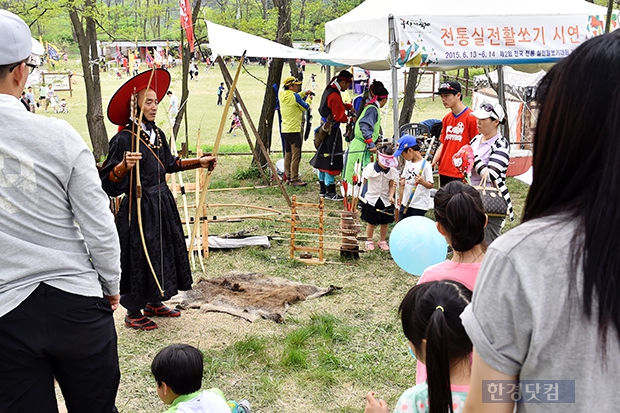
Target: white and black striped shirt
496,167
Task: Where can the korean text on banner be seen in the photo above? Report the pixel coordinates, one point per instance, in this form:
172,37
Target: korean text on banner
467,41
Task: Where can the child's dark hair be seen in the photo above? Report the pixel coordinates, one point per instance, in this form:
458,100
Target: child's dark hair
459,209
385,148
432,311
180,366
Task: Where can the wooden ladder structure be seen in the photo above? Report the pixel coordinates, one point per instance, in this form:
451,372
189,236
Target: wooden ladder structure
296,228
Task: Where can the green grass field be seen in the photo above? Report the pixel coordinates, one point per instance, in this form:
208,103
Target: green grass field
330,351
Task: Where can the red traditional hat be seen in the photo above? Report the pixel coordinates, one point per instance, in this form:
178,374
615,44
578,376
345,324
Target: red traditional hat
118,108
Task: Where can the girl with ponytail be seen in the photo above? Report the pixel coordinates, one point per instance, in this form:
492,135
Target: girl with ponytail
430,314
461,220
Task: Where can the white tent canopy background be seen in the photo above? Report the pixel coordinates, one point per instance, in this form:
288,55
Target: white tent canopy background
444,34
225,41
364,31
519,84
437,35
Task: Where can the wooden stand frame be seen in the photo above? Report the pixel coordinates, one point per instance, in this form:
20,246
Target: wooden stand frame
295,228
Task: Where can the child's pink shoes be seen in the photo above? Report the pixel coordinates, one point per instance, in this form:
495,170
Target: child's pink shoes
370,246
384,246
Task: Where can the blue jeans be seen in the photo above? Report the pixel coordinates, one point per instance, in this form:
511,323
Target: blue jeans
326,178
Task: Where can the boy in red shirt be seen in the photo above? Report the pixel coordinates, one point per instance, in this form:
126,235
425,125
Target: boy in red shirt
458,129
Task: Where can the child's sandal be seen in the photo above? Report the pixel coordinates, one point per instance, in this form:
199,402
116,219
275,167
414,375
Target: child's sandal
384,246
370,246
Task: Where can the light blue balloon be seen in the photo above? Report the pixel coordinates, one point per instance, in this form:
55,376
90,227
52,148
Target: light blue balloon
415,244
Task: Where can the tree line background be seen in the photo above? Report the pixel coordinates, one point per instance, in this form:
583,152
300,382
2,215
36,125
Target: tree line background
159,19
81,23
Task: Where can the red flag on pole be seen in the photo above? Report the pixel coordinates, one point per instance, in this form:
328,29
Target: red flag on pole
186,23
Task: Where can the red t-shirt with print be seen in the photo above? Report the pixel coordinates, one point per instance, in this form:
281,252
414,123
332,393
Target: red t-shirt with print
456,132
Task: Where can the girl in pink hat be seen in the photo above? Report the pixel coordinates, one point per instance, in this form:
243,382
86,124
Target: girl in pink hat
378,209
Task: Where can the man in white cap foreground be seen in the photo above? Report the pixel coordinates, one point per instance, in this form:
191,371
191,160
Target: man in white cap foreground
59,282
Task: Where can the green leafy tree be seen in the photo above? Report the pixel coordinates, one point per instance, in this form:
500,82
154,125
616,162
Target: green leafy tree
83,18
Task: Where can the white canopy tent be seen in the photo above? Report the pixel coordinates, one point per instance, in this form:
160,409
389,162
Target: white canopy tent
443,34
225,41
519,84
363,33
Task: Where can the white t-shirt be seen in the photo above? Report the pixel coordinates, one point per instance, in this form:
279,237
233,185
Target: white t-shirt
174,105
422,196
378,184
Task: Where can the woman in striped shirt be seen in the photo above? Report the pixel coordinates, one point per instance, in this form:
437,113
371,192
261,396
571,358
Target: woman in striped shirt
491,157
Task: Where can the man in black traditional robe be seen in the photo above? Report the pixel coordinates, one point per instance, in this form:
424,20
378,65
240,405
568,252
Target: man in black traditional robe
153,225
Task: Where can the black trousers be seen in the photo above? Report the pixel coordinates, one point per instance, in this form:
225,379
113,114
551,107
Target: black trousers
55,334
445,180
411,212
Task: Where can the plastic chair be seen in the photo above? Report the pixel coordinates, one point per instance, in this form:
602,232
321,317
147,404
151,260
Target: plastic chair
415,129
423,132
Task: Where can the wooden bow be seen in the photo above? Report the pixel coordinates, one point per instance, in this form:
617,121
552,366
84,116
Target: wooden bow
216,147
179,174
136,148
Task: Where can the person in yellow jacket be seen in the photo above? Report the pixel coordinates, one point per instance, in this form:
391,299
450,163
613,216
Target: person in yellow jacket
292,106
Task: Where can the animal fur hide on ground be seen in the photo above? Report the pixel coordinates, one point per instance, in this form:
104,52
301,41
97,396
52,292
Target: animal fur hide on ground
248,295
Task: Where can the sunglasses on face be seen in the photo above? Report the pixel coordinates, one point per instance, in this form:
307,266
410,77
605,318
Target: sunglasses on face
30,65
487,107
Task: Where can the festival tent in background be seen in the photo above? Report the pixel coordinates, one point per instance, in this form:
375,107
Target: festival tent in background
225,41
437,35
445,34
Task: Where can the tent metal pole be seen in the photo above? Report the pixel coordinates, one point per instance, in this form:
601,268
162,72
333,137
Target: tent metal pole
394,69
502,99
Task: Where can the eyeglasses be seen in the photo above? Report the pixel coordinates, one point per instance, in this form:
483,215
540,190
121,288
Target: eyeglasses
30,65
487,107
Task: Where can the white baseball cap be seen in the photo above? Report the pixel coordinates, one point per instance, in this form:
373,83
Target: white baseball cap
490,110
16,44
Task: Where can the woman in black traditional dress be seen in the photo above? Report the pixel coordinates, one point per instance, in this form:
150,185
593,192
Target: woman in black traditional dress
156,219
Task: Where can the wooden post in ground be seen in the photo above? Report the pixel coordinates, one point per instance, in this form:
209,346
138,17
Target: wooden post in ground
216,146
228,81
293,224
227,78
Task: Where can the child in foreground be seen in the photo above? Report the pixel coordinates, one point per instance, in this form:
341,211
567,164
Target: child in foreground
460,217
378,209
178,371
430,314
461,220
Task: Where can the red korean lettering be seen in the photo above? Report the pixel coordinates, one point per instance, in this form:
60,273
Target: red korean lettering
494,37
559,34
447,36
478,36
540,34
573,33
